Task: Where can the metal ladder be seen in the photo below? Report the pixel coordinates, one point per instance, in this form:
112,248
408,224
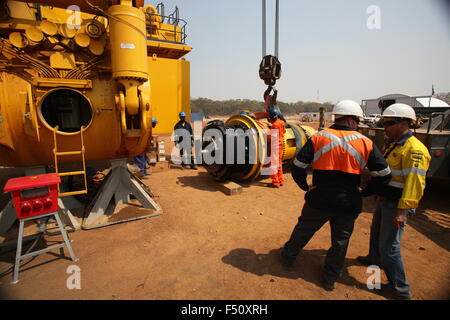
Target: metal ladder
70,173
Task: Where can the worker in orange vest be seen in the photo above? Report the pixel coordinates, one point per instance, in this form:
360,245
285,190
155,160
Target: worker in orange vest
338,156
278,130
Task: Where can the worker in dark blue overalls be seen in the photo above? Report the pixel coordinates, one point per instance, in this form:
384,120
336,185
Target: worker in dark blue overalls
141,160
186,156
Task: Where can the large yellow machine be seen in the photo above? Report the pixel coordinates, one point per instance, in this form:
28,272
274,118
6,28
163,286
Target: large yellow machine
80,80
88,80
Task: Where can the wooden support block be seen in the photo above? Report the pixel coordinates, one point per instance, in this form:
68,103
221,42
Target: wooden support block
152,157
230,188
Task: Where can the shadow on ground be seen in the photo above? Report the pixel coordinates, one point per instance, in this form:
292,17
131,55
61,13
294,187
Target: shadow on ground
7,259
202,181
432,218
308,266
435,227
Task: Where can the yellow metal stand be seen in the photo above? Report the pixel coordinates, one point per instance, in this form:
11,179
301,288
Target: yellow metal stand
70,173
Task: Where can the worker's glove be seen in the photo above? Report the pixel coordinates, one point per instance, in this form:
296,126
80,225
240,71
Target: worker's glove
368,190
299,176
303,185
401,218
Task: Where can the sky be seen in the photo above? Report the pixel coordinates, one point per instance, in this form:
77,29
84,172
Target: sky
327,50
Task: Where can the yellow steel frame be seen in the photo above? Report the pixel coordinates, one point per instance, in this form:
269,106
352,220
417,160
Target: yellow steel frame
70,173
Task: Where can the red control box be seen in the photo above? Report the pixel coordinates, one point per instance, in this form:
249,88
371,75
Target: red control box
34,195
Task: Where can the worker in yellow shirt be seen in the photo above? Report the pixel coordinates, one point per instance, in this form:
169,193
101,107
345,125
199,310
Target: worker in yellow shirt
409,160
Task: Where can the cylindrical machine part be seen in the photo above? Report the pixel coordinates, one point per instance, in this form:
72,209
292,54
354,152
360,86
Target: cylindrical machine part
66,31
18,40
82,40
33,34
49,28
241,146
128,43
97,47
94,28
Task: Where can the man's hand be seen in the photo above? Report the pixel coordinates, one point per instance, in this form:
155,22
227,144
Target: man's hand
401,218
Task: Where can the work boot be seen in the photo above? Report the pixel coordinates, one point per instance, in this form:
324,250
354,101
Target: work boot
286,262
389,292
194,167
327,284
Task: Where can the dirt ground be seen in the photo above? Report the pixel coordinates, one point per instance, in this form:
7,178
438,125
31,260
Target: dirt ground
207,245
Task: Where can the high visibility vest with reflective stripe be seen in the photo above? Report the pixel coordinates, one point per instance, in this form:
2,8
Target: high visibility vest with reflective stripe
281,128
409,164
341,150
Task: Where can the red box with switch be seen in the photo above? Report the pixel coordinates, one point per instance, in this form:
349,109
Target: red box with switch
34,195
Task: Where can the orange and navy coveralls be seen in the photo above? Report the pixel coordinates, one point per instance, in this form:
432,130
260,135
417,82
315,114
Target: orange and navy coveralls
277,155
338,156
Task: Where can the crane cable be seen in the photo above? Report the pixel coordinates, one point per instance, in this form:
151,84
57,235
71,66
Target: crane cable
270,66
263,28
277,27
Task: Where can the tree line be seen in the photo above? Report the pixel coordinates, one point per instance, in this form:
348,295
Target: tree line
229,107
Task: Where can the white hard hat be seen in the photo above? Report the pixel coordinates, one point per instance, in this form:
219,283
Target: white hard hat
399,110
348,108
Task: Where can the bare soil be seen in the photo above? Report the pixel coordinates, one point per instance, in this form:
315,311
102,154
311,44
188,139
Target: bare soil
207,245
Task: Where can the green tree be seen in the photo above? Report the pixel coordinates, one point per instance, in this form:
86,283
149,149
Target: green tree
229,107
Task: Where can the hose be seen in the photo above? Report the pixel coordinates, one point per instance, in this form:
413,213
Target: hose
115,18
37,65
